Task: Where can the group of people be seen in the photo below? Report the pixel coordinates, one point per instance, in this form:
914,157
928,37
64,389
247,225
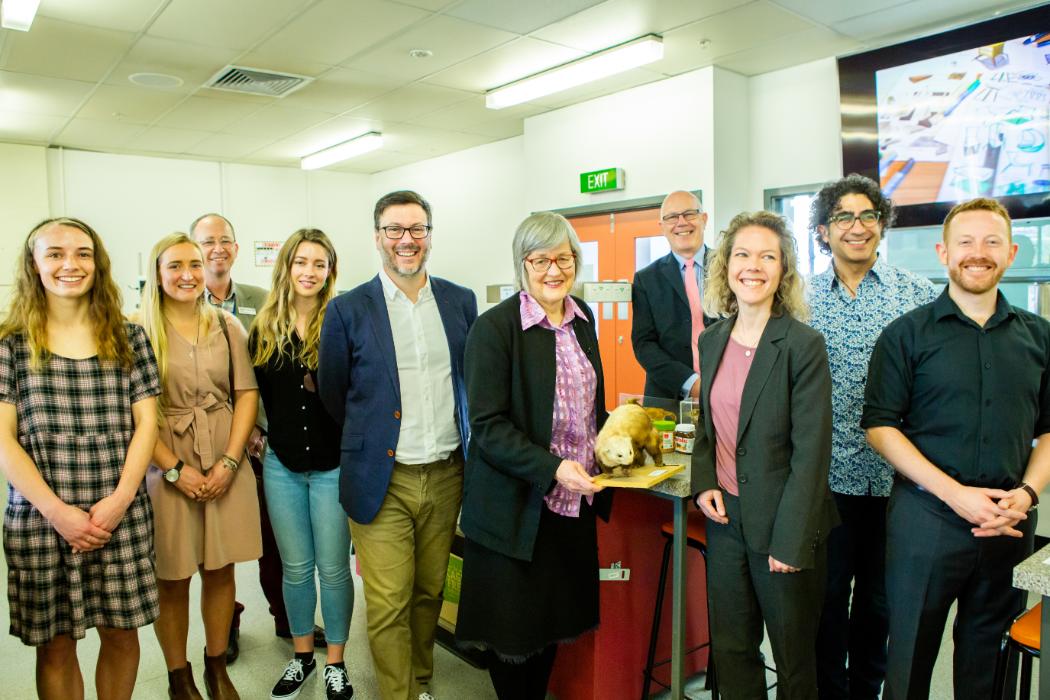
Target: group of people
226,424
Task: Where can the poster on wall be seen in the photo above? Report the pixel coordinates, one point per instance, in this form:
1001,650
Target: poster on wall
266,253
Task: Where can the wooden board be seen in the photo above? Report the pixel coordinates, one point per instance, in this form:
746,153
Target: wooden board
640,477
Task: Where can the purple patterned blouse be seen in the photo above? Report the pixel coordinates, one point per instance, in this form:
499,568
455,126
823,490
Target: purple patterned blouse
573,429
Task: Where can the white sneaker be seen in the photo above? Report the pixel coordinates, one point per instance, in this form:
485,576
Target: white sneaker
426,696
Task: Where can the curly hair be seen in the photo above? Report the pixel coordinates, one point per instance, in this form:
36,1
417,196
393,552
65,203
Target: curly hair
719,298
27,314
824,203
272,331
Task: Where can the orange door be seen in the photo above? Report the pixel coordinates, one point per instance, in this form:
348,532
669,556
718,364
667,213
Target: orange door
614,247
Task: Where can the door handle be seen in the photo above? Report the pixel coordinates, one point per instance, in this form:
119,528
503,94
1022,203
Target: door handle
619,340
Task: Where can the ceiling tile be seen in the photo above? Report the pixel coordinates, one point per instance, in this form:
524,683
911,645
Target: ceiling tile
616,21
463,116
789,50
193,63
339,90
504,64
516,16
334,30
95,134
419,140
227,146
231,24
43,51
743,28
374,162
163,140
905,21
452,40
33,94
207,114
109,14
320,137
238,96
28,128
276,122
129,104
500,128
429,5
410,102
831,11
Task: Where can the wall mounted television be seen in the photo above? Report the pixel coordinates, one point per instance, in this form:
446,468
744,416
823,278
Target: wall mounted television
957,115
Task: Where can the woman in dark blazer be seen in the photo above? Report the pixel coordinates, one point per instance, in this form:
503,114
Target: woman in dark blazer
762,459
536,398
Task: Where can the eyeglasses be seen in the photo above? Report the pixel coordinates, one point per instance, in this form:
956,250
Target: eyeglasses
541,265
689,215
844,220
396,233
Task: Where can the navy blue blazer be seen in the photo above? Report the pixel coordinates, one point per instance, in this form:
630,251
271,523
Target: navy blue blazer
359,386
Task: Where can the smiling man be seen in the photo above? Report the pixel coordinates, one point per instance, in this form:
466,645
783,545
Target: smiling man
666,301
957,391
851,302
390,371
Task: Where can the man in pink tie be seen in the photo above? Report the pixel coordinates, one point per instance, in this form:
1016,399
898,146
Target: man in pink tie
666,300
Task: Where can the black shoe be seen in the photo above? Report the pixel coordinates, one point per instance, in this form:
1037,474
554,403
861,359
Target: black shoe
295,674
233,647
319,641
337,684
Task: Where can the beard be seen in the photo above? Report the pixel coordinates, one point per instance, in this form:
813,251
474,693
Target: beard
958,276
397,266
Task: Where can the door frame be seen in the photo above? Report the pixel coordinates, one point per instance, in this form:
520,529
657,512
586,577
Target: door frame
618,206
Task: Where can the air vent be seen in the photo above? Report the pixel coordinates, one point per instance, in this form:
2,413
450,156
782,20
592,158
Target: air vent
256,82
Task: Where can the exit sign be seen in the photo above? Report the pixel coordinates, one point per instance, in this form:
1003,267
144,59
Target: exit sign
602,180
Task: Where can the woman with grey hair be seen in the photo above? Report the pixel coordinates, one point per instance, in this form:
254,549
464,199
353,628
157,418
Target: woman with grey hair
537,400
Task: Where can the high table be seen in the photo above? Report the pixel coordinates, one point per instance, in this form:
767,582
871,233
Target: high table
1033,574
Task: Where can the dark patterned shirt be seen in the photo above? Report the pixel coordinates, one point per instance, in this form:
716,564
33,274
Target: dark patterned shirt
851,326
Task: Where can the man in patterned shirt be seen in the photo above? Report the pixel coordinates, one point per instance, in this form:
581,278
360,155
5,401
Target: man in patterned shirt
851,303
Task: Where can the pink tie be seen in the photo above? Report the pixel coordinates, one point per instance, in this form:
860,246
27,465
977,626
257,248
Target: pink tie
696,310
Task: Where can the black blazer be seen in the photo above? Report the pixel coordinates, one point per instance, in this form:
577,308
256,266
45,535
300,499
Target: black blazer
510,377
783,439
661,326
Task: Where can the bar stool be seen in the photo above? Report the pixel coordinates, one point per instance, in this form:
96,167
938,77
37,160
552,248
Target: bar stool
696,537
1022,638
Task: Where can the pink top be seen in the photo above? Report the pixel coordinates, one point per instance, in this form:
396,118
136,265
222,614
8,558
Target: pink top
726,390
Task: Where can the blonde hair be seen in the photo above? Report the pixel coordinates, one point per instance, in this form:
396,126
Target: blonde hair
789,297
271,333
27,314
151,313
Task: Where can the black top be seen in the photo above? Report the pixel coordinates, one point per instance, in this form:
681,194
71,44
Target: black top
971,399
510,375
302,434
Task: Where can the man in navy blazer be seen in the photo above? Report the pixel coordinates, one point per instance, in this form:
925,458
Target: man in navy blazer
391,371
661,320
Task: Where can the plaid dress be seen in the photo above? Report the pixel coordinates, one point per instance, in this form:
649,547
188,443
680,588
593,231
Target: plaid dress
75,423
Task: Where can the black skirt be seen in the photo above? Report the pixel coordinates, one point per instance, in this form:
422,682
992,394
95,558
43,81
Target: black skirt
515,607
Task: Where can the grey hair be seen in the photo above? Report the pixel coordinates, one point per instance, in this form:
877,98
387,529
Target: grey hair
541,231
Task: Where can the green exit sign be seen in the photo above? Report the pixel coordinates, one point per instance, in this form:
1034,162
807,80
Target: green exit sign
602,180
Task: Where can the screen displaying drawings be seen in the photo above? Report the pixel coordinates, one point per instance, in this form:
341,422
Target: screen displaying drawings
967,124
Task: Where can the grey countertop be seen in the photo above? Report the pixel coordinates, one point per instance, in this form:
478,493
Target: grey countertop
678,485
1033,574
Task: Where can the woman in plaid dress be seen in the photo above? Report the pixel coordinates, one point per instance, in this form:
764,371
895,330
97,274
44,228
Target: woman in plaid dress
78,422
202,488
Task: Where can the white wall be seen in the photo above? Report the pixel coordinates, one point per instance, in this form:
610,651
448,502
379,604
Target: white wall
23,201
795,127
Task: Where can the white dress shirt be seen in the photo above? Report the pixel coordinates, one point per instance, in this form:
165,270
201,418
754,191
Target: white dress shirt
424,370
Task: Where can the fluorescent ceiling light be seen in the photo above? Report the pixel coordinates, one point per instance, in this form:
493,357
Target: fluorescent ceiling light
18,14
343,151
599,65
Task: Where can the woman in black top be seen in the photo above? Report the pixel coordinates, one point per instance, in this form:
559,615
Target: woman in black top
301,465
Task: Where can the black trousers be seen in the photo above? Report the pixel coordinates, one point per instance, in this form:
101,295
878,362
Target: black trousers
855,630
522,680
932,561
742,596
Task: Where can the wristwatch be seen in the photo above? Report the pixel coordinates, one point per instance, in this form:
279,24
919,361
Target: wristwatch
172,475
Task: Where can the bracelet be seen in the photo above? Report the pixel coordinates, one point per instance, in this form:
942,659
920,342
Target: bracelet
1031,493
230,463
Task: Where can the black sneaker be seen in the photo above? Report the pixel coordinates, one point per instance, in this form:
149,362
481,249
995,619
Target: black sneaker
337,684
295,674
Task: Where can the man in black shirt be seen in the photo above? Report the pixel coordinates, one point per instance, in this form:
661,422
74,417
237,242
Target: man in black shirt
957,391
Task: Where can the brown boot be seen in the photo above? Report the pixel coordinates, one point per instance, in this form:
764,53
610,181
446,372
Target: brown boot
181,685
216,680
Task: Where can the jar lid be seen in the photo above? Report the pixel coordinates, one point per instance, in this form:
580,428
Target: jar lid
685,427
663,424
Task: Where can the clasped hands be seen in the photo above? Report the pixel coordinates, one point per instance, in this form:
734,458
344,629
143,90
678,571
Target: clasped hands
713,506
995,512
205,487
88,530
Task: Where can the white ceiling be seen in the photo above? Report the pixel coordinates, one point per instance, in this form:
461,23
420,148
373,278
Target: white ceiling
65,83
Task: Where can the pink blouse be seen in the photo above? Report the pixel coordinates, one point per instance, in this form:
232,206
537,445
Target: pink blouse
726,391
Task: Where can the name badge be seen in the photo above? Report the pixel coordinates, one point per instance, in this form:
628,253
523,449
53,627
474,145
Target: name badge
247,310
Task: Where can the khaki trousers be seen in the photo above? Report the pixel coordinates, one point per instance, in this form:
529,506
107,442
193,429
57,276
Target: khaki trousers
403,555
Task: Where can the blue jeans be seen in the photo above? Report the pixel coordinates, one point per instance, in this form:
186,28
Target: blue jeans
311,530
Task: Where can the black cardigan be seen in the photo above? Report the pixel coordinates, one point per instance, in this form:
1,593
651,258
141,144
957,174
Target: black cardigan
510,376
